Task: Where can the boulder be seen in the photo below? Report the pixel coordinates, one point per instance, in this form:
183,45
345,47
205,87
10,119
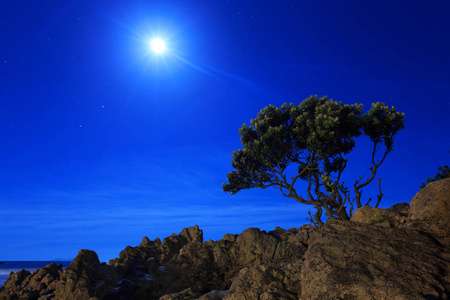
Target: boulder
44,280
154,269
261,282
172,245
36,285
255,247
400,208
297,236
351,260
157,242
15,279
196,269
229,237
432,203
191,234
132,258
85,278
214,295
186,294
146,242
376,216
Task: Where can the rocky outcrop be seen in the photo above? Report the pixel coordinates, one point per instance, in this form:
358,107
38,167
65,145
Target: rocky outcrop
181,265
266,282
395,216
390,253
254,247
377,216
348,260
401,208
40,284
85,278
432,204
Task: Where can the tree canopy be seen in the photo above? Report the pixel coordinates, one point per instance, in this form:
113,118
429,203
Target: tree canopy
314,138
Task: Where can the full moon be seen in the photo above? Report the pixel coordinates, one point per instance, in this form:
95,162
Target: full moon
158,45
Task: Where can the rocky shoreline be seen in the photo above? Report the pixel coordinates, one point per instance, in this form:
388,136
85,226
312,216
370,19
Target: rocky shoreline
398,253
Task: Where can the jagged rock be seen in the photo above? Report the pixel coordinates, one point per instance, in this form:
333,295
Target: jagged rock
214,295
432,203
350,260
172,245
36,285
85,278
44,279
259,281
44,276
212,265
273,296
146,242
376,216
191,234
254,247
132,258
186,294
258,247
181,262
400,208
169,248
196,269
16,279
297,236
280,233
229,237
341,260
153,269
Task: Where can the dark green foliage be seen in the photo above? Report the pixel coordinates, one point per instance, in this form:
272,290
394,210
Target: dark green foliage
443,172
314,137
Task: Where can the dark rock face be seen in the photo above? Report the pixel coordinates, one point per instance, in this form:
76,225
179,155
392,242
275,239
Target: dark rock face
340,260
401,208
40,284
180,267
254,247
265,282
348,260
85,278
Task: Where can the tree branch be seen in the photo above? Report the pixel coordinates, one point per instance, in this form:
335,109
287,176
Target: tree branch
381,194
373,171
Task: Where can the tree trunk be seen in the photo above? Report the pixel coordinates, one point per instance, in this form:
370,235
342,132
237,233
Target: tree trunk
342,215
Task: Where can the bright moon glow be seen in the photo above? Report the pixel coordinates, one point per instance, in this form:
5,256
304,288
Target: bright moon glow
158,45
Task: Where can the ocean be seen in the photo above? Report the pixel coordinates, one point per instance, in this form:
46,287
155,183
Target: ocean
15,266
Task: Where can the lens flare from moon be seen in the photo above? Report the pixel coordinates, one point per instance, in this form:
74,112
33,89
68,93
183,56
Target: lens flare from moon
158,45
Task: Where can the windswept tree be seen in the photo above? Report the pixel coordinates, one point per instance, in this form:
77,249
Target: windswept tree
309,142
443,172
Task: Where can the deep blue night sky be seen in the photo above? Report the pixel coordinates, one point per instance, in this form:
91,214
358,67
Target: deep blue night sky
104,142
